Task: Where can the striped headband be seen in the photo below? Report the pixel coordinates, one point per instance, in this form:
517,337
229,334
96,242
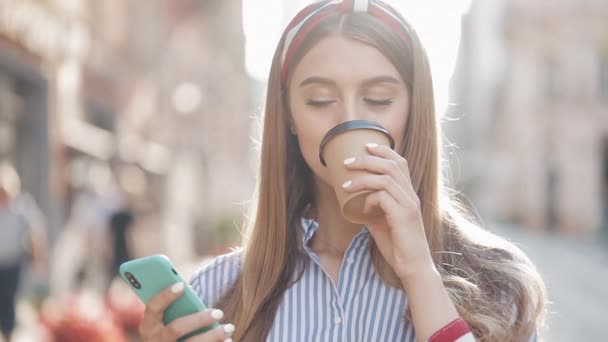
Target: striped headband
306,19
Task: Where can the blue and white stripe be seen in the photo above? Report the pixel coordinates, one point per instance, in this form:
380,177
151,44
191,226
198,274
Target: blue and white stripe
359,308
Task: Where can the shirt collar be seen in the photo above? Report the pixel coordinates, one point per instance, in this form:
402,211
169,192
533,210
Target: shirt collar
309,227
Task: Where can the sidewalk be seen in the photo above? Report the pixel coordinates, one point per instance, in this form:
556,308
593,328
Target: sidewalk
576,275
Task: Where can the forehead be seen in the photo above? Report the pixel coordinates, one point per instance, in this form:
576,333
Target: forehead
344,61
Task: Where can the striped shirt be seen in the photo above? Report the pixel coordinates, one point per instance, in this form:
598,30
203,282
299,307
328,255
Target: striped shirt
359,308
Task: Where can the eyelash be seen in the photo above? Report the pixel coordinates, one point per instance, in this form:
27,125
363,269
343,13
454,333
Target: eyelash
319,104
378,103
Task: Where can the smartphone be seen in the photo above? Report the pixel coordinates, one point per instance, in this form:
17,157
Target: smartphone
149,275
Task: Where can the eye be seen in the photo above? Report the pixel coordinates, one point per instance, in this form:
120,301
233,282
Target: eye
317,104
373,102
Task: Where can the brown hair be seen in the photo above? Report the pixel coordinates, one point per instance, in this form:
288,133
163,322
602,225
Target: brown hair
492,284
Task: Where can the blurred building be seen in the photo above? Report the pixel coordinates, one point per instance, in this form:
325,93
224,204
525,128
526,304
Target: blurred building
29,59
532,94
153,94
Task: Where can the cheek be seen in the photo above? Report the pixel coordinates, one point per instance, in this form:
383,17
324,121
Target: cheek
309,139
310,131
397,131
395,123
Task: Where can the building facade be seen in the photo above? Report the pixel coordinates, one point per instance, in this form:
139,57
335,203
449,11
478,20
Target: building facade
152,95
532,91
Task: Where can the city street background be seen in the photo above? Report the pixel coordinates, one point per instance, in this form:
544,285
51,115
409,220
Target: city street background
132,127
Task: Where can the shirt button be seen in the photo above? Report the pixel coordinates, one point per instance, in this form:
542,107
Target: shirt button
338,320
350,260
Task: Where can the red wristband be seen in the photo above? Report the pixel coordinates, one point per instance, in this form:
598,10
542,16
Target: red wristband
455,331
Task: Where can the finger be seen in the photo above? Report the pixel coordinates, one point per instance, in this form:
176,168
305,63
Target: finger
189,323
388,153
378,165
375,183
153,315
219,334
385,202
376,200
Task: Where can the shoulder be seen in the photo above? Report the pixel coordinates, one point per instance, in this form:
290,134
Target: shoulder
28,211
214,277
15,216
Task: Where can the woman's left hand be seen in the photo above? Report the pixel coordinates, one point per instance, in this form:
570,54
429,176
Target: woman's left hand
399,232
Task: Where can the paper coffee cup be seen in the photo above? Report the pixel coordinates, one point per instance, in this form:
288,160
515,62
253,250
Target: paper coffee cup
344,141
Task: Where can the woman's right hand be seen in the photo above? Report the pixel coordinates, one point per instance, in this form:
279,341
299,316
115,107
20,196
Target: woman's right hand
153,329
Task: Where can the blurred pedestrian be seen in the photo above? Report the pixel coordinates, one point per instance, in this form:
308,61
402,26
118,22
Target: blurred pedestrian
120,226
83,251
21,238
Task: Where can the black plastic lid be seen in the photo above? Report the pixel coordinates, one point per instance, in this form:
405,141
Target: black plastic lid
349,126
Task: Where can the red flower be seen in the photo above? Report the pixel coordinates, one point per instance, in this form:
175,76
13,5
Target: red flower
80,317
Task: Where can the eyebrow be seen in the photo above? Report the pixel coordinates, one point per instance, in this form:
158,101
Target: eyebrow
380,79
366,83
319,80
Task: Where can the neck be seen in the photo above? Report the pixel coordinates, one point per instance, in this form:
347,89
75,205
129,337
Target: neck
335,233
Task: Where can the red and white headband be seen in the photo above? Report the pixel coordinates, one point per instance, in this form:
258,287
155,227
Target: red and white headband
307,18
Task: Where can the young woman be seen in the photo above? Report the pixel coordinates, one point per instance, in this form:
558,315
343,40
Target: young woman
420,271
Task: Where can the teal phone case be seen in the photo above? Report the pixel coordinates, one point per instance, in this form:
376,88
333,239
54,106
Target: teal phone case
155,273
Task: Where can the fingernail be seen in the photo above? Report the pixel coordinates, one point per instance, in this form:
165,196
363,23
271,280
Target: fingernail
228,340
347,184
371,145
217,314
349,161
228,328
177,287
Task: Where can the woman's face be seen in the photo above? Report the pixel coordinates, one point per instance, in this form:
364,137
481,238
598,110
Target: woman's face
340,80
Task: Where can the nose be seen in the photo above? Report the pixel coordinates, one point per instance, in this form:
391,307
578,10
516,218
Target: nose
351,109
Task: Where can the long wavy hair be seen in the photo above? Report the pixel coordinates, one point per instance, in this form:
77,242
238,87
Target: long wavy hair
493,285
